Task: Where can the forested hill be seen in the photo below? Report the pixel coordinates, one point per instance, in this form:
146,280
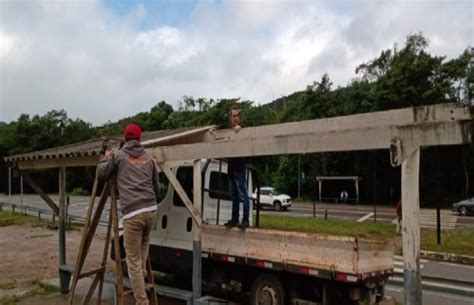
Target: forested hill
402,76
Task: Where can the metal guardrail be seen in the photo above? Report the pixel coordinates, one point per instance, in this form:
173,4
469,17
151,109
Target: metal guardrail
29,210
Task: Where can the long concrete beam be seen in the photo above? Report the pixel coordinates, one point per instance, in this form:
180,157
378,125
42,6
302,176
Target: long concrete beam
428,134
397,117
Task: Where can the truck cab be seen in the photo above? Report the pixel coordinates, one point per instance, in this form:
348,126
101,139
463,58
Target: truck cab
175,227
261,266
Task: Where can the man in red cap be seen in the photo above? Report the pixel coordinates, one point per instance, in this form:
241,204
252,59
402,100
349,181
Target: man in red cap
137,182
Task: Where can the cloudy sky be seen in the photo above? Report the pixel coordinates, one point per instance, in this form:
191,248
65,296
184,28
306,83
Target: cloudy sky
103,60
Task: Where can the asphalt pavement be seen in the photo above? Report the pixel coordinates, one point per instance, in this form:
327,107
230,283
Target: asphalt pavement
449,219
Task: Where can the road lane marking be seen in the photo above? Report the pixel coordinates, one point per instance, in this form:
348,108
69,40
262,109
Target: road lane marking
362,219
393,288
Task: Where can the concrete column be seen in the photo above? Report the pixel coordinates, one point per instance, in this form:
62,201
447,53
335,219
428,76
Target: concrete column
357,190
299,176
21,190
411,227
10,184
320,182
197,250
62,214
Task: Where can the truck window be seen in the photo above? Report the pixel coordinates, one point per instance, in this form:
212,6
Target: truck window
164,185
219,186
185,178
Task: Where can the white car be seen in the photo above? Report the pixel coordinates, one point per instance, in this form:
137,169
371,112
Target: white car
270,197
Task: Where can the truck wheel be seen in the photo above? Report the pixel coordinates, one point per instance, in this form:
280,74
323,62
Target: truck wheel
267,289
277,205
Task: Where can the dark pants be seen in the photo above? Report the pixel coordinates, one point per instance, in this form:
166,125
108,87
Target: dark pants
238,191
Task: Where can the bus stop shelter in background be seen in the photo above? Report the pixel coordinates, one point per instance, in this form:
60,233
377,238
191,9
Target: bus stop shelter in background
355,179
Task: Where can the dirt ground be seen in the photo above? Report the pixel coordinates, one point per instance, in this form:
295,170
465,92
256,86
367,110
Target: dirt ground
63,300
29,254
32,252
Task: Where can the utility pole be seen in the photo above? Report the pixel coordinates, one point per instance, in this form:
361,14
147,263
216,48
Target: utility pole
299,176
411,227
375,186
21,190
10,184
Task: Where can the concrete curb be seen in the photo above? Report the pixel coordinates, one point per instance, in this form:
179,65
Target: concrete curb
448,257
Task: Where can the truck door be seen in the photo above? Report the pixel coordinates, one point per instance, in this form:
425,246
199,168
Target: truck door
180,222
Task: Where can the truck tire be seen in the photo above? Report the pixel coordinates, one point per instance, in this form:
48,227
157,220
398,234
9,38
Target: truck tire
277,205
462,210
267,289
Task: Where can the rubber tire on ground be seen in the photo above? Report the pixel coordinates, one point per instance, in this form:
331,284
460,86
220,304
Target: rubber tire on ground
277,205
462,210
267,286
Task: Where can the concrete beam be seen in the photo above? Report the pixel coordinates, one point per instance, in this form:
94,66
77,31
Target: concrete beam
311,141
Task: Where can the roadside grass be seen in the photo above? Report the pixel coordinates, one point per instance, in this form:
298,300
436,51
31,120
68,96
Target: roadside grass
328,226
10,218
452,241
35,288
14,218
459,242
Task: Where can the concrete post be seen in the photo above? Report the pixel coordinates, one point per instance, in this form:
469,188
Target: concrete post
299,176
62,223
197,250
411,227
357,190
320,182
21,190
10,184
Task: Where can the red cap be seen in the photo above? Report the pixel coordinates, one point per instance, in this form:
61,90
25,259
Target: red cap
132,132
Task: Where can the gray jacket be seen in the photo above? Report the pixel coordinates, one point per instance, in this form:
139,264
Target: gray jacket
137,176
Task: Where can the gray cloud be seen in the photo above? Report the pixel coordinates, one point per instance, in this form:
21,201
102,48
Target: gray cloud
98,66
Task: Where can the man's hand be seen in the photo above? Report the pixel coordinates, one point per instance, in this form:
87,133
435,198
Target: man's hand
109,152
237,128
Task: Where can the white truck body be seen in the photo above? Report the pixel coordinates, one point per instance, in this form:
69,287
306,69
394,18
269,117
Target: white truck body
350,261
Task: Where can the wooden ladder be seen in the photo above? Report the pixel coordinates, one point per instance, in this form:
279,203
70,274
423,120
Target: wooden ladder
150,288
88,232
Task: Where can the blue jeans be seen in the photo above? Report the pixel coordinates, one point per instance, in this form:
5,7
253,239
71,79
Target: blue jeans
238,193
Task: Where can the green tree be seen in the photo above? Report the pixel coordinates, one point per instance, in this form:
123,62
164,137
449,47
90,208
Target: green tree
407,77
459,73
158,116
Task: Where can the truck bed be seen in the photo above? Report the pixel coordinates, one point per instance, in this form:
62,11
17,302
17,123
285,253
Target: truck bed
342,258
